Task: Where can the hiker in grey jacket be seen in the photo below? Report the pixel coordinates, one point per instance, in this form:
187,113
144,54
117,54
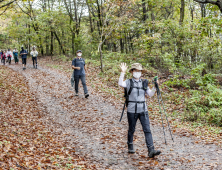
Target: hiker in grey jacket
136,106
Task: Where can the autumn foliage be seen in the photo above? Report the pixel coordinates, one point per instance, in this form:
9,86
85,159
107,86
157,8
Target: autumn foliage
27,140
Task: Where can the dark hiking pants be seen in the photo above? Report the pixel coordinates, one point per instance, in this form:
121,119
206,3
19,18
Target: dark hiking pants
9,60
144,120
24,61
16,59
34,60
83,80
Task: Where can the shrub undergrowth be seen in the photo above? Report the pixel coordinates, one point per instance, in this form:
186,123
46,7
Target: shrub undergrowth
204,102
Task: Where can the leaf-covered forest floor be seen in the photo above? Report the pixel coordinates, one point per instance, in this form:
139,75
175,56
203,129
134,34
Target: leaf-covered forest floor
87,130
29,139
106,85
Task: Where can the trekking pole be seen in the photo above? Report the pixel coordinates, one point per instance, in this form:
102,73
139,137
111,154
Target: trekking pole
158,91
122,112
166,117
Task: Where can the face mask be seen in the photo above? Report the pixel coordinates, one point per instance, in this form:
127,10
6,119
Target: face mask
79,54
136,75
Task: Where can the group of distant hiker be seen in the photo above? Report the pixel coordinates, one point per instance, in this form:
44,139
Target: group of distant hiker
7,56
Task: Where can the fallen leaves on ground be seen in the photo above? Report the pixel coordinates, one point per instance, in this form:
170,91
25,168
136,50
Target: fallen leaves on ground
112,93
90,125
27,140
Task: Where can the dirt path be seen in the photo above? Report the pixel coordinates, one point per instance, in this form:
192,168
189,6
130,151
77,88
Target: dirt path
92,127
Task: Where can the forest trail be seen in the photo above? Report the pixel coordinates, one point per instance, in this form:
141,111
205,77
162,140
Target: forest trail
92,128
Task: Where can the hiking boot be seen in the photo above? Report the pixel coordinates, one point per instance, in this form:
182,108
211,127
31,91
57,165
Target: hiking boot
152,152
33,66
76,94
36,67
23,68
130,148
86,95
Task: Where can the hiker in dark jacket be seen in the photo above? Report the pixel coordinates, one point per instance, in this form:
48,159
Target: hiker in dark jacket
23,54
136,106
78,64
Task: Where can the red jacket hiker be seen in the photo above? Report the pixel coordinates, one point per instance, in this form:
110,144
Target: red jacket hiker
3,56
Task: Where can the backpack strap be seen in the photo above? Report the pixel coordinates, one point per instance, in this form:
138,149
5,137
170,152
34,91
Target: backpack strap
145,84
75,62
131,87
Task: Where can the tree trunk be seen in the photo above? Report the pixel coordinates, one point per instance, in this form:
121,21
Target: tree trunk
29,46
152,14
145,16
192,15
121,45
42,50
73,43
90,18
203,10
47,44
99,23
131,43
60,44
182,12
51,45
114,47
126,44
101,58
76,18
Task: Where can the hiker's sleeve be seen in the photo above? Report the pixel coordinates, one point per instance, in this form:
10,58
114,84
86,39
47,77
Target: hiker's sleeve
73,63
151,92
121,82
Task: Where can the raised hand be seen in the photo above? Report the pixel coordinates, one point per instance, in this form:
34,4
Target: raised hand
123,67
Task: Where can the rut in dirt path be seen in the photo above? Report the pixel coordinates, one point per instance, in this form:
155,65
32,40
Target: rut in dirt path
94,130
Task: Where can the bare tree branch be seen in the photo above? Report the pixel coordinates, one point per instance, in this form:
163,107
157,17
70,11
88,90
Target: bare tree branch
7,4
23,10
218,3
4,10
207,1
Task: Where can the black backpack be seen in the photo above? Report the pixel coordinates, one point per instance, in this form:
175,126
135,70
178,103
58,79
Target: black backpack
126,95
